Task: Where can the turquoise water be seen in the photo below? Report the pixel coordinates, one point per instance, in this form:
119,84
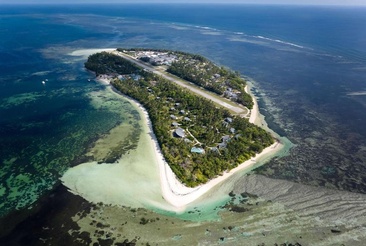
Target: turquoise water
306,62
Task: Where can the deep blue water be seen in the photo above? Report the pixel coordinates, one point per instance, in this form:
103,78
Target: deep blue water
305,63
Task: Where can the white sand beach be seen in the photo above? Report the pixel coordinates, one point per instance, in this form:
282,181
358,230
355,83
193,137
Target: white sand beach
88,52
255,116
179,195
148,174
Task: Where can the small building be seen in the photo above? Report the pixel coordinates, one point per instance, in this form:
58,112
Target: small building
135,77
230,94
197,150
173,117
187,140
229,120
234,96
179,132
221,145
187,119
175,124
214,149
225,139
232,130
182,112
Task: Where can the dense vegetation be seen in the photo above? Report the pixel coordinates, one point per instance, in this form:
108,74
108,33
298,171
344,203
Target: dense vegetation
204,124
202,72
106,63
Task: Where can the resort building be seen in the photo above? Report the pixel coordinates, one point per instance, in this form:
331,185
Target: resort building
179,132
225,138
229,120
197,150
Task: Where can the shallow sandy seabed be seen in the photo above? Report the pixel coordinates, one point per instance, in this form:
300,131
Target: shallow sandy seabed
118,183
264,222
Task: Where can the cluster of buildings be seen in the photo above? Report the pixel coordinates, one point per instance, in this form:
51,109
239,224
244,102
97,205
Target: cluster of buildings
226,138
181,133
229,93
156,58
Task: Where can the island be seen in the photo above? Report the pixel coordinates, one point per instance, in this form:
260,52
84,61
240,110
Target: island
199,111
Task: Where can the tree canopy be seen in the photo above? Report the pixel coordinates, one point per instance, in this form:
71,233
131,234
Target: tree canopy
227,140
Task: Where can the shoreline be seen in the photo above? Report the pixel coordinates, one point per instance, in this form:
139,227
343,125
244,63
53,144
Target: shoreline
255,116
176,194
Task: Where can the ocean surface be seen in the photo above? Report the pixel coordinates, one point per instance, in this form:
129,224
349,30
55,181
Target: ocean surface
307,65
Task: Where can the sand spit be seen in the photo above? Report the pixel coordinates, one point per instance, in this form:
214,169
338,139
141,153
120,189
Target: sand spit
254,113
357,93
117,184
88,52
